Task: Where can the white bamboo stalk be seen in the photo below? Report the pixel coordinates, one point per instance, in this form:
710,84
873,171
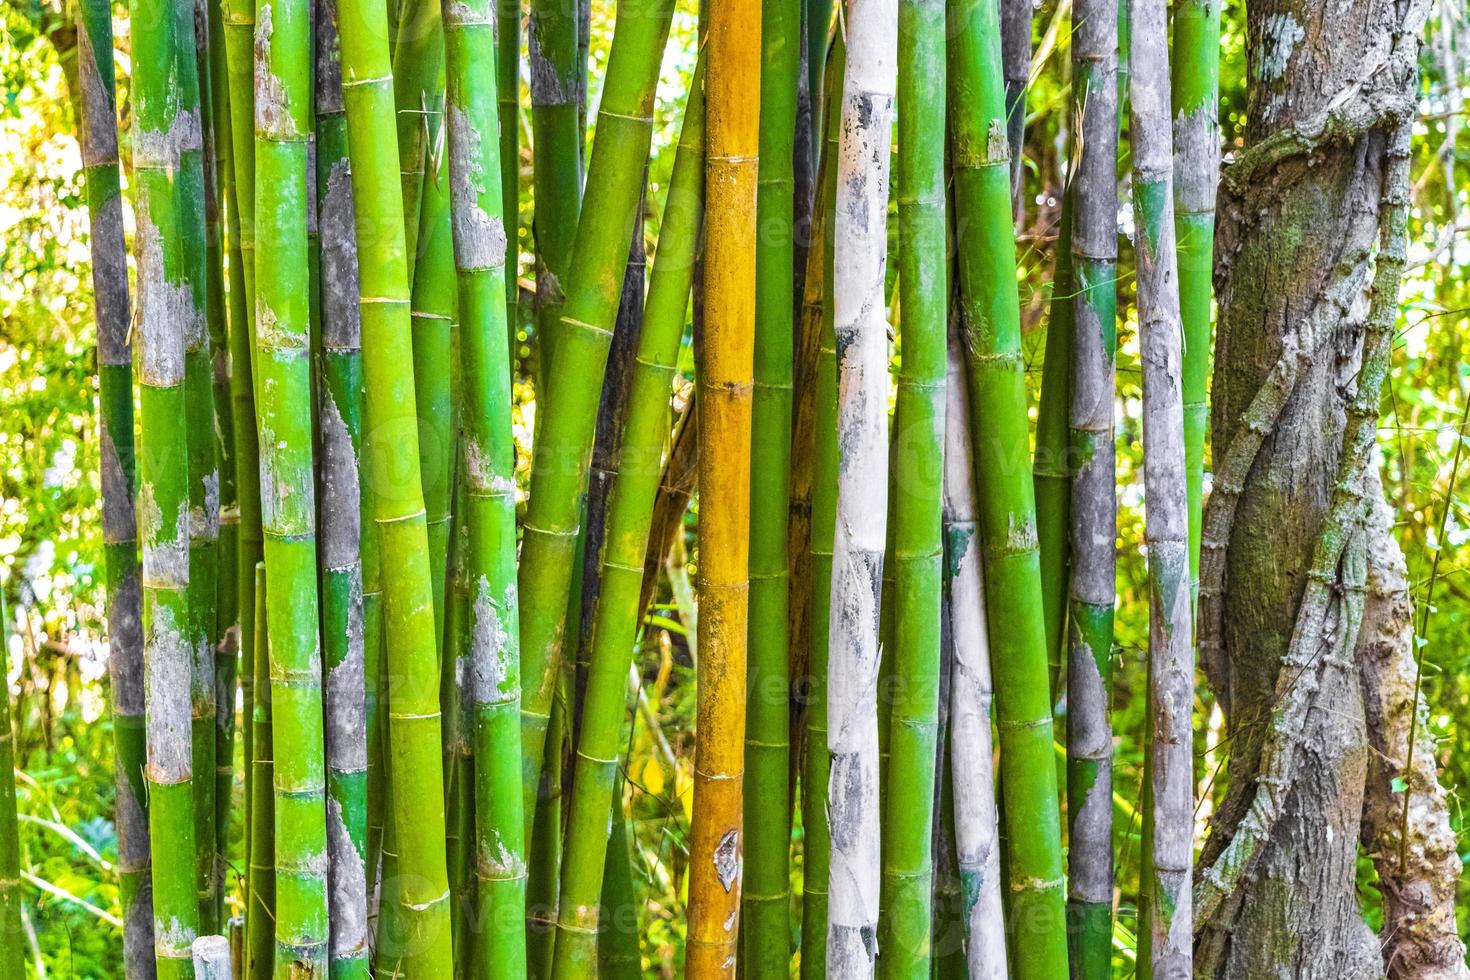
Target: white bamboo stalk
869,92
976,822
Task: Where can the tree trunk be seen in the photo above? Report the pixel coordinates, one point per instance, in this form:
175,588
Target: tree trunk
1302,350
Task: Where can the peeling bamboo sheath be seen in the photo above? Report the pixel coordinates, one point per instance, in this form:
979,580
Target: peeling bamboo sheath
725,378
1093,530
119,520
1171,639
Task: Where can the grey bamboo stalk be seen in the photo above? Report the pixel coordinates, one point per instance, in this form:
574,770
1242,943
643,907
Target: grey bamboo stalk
288,494
1166,528
860,227
339,408
211,955
976,819
119,518
1094,508
1015,42
165,315
488,481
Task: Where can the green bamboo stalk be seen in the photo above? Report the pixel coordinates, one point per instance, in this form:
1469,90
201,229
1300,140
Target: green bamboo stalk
766,897
225,640
618,956
1094,248
455,686
1051,464
418,96
288,494
1007,510
238,36
260,910
433,324
239,42
202,451
630,512
1195,97
397,497
817,766
1169,817
508,100
12,956
98,131
556,144
918,542
564,443
488,468
339,407
167,314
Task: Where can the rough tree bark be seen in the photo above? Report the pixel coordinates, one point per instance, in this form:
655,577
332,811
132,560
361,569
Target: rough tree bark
1310,247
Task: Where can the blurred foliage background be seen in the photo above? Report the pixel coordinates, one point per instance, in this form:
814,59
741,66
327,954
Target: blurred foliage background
50,540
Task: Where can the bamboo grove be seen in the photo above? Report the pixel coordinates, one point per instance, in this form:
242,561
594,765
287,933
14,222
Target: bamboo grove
321,548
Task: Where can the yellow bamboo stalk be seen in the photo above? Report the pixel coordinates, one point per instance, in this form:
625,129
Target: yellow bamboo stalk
725,379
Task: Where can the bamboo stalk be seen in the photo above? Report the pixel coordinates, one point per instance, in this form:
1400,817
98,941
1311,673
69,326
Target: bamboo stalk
261,901
412,667
508,98
202,453
238,38
488,468
1170,816
224,640
339,407
166,316
1007,508
433,320
817,765
568,415
98,132
1195,97
288,494
556,144
861,332
918,543
1094,248
12,930
971,694
766,934
418,97
1015,42
724,377
630,513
